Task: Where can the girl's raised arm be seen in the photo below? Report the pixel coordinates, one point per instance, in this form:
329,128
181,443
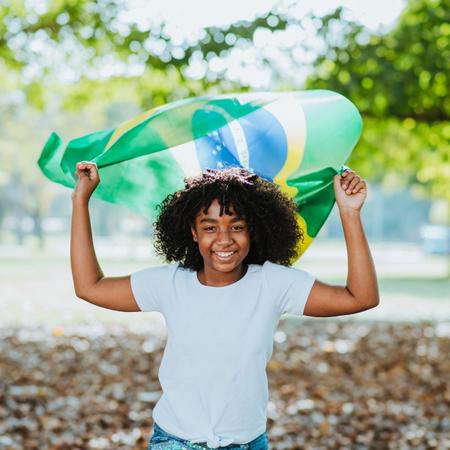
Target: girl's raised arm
361,290
89,282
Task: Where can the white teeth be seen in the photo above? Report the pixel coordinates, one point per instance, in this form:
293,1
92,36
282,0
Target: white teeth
223,254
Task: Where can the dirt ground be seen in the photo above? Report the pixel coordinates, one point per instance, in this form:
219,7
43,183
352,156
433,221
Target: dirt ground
333,385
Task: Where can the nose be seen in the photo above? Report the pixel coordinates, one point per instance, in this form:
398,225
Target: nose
224,237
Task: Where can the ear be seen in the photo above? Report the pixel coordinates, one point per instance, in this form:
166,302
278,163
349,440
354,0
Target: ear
194,234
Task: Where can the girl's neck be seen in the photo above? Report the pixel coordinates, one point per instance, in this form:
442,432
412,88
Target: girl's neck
211,277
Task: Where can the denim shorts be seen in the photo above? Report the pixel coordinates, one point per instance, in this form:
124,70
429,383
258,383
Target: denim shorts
161,440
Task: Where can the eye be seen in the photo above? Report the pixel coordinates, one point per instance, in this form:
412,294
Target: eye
208,228
238,227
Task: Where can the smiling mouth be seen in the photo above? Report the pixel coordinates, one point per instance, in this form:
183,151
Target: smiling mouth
225,255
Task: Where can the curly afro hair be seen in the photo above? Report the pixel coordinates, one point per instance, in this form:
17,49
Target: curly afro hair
270,215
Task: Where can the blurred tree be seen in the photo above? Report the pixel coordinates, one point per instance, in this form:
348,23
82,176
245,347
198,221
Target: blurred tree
83,43
97,58
400,83
25,194
404,73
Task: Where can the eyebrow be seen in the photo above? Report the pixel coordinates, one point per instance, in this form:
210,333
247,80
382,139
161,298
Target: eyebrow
234,219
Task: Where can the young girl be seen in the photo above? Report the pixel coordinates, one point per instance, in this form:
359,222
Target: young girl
229,237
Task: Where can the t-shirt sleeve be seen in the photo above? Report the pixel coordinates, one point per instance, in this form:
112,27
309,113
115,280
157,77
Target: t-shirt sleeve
152,286
289,286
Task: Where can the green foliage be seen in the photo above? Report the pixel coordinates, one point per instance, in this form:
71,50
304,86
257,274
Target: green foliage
89,35
153,88
405,152
404,73
399,81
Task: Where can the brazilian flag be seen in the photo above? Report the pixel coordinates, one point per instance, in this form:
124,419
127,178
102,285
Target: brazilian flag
297,140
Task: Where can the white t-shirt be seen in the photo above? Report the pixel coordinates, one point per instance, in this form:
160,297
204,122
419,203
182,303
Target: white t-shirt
219,341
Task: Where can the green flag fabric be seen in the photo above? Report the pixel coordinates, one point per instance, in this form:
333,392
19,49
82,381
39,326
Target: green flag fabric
297,140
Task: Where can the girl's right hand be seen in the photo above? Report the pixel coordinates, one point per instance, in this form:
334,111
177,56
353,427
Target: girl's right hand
88,179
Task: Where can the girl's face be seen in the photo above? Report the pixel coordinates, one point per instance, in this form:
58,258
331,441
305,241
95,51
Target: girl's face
223,241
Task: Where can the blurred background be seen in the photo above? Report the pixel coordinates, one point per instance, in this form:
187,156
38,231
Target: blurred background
81,66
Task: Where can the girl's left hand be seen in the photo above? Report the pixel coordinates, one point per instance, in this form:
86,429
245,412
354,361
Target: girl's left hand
350,190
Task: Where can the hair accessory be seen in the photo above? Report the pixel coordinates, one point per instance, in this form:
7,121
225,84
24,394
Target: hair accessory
239,173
